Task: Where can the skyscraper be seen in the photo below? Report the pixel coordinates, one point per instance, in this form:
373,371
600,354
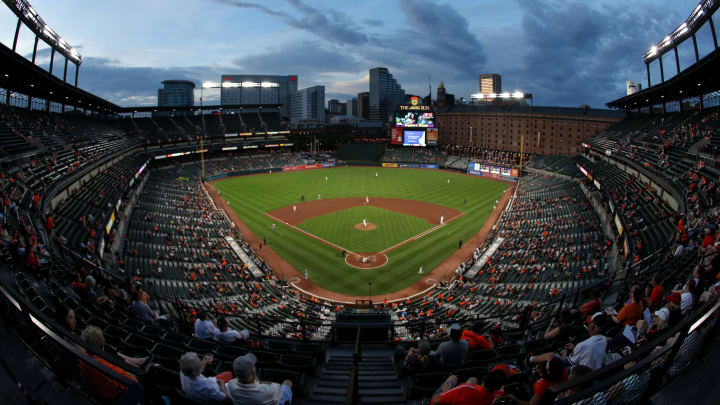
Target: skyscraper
308,105
385,94
352,107
176,93
363,104
490,83
334,106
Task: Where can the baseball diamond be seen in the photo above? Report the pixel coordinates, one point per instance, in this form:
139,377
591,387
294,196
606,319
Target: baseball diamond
405,206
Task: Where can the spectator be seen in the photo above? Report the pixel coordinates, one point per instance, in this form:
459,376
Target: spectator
204,328
469,392
223,334
454,351
562,331
245,389
686,296
418,359
552,372
633,310
590,352
475,338
656,292
65,317
580,371
143,310
197,387
593,305
90,295
98,382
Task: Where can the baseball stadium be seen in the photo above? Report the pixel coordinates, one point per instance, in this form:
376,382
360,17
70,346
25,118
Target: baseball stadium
260,248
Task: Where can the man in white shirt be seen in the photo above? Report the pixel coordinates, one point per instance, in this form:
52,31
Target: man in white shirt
245,389
590,352
204,328
197,387
223,334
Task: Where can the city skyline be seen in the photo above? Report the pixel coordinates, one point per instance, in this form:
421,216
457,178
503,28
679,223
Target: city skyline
564,52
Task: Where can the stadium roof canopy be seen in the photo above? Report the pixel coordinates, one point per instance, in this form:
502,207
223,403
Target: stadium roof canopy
18,74
697,80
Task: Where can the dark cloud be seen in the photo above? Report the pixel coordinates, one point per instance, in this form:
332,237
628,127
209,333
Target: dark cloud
127,86
438,33
575,54
305,59
330,25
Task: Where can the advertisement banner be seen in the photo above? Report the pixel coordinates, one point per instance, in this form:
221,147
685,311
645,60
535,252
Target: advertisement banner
475,172
303,167
396,136
328,164
389,165
514,172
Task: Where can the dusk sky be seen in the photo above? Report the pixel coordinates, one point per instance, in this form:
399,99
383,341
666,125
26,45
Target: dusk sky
566,53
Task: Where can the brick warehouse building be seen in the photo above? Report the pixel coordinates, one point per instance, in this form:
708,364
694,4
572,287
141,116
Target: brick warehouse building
547,130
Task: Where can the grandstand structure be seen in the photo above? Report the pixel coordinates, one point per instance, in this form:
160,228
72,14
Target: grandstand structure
91,189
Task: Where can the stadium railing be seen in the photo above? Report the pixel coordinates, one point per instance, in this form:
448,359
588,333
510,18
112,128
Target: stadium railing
643,373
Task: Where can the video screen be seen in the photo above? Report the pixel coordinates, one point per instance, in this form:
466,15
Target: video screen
416,119
414,138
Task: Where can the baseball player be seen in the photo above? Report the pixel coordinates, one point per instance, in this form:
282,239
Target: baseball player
365,223
273,226
367,200
318,196
420,271
294,209
325,178
306,274
442,220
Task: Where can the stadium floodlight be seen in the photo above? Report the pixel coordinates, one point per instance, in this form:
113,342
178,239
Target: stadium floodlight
230,84
505,95
269,84
491,95
250,84
518,94
209,85
477,95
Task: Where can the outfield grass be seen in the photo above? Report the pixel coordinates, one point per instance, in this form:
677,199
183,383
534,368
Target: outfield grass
339,228
252,196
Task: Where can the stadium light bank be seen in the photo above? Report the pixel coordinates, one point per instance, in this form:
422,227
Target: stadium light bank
697,18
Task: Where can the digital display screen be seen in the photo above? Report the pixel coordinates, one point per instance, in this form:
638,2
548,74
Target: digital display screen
414,138
414,119
431,136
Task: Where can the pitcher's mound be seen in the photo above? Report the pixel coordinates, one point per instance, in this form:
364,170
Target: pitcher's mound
366,260
360,227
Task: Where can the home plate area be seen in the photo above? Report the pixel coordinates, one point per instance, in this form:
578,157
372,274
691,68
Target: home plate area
366,260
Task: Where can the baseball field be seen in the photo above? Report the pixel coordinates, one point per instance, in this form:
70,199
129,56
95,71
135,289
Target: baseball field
412,218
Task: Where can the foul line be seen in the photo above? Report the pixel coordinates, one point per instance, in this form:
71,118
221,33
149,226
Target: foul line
309,234
420,235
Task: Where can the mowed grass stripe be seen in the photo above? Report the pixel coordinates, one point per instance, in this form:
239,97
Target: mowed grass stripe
252,196
339,228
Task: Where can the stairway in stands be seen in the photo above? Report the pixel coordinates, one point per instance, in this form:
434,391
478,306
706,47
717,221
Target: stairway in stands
377,381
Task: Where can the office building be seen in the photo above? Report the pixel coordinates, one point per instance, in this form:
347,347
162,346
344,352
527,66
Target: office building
258,90
363,104
352,107
308,105
490,83
386,95
334,106
176,93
